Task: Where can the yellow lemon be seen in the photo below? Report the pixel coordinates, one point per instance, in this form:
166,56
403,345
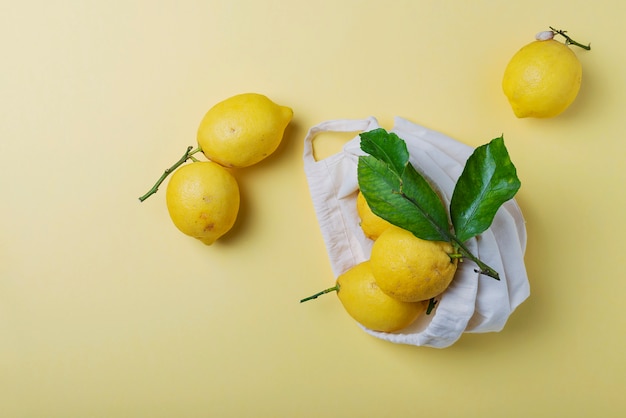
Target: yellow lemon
203,200
368,305
371,224
243,130
411,269
542,79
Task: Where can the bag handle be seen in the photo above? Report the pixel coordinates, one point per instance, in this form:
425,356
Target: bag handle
338,125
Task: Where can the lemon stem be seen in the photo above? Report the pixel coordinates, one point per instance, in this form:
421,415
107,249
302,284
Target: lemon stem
568,40
482,267
187,155
431,305
323,292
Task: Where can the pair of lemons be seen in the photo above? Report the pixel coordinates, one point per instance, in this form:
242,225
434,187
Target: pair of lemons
391,290
203,197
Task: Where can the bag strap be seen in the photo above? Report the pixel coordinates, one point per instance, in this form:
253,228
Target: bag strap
338,125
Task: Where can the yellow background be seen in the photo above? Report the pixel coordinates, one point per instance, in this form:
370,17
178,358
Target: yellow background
106,310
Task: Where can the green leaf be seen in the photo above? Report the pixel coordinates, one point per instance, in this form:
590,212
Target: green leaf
398,193
387,147
488,180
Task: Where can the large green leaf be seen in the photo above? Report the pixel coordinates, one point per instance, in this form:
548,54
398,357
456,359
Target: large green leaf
488,180
387,147
396,192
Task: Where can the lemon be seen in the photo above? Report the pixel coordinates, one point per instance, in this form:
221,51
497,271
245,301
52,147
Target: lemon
371,224
368,305
203,200
411,269
243,130
542,79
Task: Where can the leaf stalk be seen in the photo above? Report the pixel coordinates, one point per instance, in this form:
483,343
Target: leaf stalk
568,40
431,305
186,156
323,292
483,268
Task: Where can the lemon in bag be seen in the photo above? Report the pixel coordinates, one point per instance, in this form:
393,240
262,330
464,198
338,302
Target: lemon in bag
371,224
368,305
411,269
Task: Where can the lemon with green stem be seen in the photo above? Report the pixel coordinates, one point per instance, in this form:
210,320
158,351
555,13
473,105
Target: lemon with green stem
368,305
544,77
203,200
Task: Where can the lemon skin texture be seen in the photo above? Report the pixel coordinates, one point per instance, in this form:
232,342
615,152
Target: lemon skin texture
243,130
371,224
368,305
542,79
411,269
203,200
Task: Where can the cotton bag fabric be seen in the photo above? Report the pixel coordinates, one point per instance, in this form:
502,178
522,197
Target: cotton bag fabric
473,303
